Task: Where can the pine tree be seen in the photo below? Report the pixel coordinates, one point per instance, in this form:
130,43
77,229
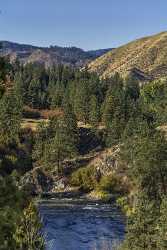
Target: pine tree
82,101
19,87
70,120
10,203
141,230
33,93
116,128
10,118
132,88
114,100
41,137
59,147
114,114
56,94
162,226
94,113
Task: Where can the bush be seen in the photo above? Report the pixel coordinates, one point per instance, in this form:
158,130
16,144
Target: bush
100,195
84,178
110,184
125,205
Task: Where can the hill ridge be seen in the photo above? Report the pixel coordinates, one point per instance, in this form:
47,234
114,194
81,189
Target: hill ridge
48,56
148,54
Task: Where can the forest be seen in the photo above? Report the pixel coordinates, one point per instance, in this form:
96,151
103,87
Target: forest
122,113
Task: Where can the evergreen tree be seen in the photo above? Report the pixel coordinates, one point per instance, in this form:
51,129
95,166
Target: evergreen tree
132,88
59,147
114,100
115,129
70,120
10,118
114,113
33,93
41,137
94,114
10,203
162,226
82,101
141,230
56,93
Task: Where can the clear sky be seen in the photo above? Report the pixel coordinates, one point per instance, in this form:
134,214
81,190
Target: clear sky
89,24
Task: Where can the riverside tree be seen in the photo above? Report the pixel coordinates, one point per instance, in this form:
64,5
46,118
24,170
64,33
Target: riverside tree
28,231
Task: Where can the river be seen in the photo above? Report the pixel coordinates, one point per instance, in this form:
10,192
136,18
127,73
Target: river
71,224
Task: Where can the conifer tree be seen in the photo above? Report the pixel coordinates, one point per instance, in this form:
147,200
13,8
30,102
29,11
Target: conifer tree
94,113
59,147
56,94
82,101
41,137
162,226
132,88
114,100
141,230
70,120
10,118
10,204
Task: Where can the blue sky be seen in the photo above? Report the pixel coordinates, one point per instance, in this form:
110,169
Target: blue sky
89,24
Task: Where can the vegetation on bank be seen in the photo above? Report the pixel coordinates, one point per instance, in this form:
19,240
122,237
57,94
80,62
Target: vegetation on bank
129,116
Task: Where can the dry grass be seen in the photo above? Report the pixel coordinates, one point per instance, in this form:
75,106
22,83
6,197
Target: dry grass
147,54
41,113
32,123
163,128
46,114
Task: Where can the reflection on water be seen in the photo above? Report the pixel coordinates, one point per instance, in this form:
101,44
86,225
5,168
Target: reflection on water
73,225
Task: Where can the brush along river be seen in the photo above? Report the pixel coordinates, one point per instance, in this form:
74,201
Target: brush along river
75,224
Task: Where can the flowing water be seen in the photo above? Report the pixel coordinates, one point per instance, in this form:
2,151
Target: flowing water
78,225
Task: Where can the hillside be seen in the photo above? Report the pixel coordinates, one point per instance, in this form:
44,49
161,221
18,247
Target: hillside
146,57
48,56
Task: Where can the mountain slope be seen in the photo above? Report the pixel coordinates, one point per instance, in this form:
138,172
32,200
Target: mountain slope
48,56
146,55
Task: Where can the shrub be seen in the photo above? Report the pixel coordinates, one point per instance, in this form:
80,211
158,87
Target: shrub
110,184
84,178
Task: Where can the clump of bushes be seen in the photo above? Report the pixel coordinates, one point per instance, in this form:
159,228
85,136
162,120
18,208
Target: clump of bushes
85,178
100,195
126,205
110,184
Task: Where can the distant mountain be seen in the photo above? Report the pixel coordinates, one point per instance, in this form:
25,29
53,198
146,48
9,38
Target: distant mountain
48,55
97,53
146,58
